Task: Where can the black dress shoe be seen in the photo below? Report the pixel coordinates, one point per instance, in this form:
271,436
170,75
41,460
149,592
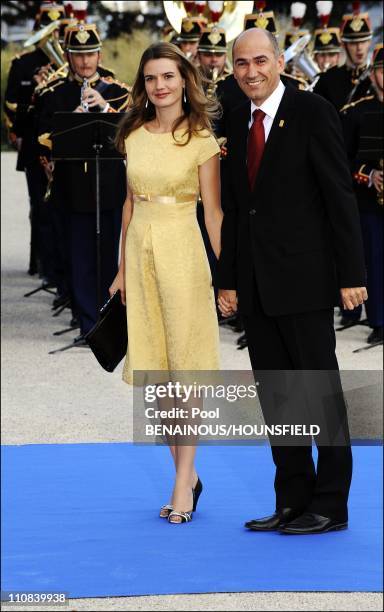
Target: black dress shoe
275,521
311,523
376,335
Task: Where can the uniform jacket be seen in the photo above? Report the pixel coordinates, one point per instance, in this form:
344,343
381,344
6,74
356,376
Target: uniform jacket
336,84
352,117
74,181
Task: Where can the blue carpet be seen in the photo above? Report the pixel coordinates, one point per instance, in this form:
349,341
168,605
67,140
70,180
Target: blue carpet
82,518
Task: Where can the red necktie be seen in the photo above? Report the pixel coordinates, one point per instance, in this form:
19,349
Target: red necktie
256,142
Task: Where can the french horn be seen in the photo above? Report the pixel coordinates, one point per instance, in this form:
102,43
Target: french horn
298,55
45,39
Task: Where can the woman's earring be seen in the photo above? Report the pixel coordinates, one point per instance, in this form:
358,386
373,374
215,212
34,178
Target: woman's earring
184,96
146,104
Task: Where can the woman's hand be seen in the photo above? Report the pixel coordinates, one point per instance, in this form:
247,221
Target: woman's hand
118,285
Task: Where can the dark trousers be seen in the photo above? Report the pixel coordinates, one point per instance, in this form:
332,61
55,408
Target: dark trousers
372,230
39,216
83,256
303,342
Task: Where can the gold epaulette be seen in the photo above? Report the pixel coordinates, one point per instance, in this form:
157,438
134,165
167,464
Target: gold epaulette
109,79
11,105
45,140
352,104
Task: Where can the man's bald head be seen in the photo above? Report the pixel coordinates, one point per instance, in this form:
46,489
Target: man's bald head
259,35
257,63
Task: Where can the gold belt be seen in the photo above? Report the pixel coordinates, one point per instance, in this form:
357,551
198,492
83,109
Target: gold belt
161,199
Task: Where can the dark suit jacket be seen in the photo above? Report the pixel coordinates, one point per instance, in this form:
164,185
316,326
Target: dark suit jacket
297,232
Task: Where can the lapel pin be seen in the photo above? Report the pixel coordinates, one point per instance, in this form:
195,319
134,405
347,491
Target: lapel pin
281,123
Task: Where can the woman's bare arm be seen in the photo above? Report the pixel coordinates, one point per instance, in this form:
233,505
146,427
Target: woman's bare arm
209,178
119,281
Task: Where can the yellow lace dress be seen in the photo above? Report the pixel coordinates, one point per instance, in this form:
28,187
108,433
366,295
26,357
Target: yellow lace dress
171,313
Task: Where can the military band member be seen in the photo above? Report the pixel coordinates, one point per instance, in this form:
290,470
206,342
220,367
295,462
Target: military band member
188,39
368,183
22,80
298,10
343,84
212,57
73,183
327,41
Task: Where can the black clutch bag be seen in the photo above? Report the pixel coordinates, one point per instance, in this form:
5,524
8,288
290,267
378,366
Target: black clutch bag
108,339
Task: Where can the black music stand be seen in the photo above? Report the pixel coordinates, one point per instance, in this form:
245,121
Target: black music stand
86,137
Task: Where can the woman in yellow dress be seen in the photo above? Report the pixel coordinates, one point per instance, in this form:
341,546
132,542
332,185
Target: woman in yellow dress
164,276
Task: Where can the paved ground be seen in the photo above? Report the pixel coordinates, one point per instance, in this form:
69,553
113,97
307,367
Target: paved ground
67,398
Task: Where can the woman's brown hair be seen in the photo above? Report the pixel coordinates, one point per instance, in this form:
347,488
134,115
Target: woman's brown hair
198,109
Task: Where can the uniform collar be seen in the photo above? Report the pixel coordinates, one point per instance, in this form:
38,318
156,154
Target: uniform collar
80,80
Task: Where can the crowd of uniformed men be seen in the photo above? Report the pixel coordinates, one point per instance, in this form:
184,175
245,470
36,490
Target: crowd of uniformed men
62,194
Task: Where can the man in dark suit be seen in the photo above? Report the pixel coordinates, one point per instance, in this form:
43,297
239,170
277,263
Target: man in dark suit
291,244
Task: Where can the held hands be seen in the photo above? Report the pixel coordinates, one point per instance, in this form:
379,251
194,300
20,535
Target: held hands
227,302
350,297
377,179
118,285
353,296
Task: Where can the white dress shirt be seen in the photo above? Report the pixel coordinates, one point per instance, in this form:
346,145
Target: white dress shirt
269,107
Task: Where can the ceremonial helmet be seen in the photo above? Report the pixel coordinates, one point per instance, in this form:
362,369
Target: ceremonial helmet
213,40
298,10
356,27
82,38
326,39
262,19
48,13
190,29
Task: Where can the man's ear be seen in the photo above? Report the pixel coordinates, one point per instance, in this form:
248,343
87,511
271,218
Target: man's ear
281,62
